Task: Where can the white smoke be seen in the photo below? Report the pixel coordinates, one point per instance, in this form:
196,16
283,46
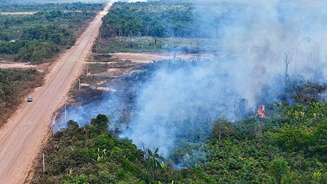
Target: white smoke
254,47
254,38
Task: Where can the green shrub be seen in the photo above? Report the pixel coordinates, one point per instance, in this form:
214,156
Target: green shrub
288,152
35,51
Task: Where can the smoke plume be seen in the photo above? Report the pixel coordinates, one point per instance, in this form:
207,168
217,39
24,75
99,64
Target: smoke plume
255,42
259,44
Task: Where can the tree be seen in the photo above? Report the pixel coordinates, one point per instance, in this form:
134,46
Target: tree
100,122
222,129
278,169
72,126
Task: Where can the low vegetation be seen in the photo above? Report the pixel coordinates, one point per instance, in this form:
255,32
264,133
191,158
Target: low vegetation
14,84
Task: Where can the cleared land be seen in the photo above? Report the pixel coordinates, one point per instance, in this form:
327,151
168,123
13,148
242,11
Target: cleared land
17,13
21,138
151,57
15,65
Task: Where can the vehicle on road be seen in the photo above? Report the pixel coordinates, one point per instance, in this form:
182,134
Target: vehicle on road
29,99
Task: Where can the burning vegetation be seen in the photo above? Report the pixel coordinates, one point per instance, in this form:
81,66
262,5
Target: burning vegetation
255,112
291,148
291,137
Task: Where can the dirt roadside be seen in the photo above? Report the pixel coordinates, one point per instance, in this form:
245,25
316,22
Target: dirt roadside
12,65
19,13
22,136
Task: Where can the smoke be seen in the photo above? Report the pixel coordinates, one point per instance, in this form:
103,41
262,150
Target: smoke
256,41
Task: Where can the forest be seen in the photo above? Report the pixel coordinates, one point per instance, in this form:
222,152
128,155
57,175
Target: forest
38,37
158,19
77,6
290,149
152,27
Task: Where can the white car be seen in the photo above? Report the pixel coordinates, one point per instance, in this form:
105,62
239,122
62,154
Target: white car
29,99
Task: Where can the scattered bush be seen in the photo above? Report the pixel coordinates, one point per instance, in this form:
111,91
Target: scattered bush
13,85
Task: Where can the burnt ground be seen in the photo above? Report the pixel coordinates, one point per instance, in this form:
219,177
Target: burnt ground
102,76
109,85
108,76
116,83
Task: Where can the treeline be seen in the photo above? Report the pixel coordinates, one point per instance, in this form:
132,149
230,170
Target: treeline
40,36
164,26
291,148
158,19
169,19
13,85
12,7
154,44
37,43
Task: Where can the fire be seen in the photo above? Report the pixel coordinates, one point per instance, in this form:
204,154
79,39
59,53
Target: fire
261,112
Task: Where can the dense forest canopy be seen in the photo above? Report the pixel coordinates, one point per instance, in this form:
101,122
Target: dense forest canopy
50,6
149,19
169,19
